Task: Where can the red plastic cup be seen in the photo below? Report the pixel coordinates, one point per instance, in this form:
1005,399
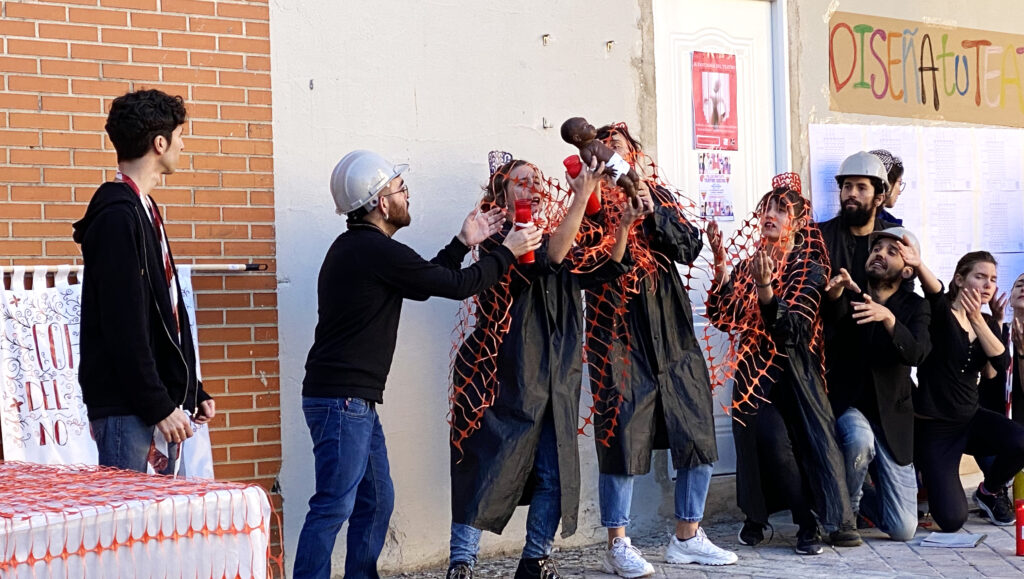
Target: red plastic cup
574,165
524,219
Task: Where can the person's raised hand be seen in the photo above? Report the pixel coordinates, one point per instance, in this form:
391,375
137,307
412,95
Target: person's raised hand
843,281
970,299
587,180
998,306
762,266
909,253
714,234
525,240
869,311
479,225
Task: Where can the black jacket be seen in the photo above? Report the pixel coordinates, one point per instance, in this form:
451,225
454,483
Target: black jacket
650,382
992,391
134,361
364,279
869,364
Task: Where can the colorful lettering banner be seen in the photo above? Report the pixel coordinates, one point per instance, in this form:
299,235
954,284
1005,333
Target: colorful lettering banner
901,68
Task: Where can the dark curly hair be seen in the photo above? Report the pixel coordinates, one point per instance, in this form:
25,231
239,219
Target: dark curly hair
138,117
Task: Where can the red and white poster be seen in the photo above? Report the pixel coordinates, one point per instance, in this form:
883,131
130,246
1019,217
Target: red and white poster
714,101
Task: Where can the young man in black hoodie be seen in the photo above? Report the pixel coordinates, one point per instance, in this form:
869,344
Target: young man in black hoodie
138,363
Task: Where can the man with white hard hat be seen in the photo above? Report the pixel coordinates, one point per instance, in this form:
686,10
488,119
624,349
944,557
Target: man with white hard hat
362,283
863,185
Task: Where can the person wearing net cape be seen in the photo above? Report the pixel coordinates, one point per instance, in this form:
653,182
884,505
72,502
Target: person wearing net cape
649,378
787,454
516,379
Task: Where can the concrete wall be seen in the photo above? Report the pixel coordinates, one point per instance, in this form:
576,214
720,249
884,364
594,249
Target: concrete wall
436,84
808,55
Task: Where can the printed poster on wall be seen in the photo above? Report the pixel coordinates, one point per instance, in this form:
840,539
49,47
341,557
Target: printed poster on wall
715,177
715,124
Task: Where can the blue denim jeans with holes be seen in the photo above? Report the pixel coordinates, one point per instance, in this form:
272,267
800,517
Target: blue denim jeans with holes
891,504
353,483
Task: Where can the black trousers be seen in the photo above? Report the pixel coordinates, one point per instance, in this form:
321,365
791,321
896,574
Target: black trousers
938,446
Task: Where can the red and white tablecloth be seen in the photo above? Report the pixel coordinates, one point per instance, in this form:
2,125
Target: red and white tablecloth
88,521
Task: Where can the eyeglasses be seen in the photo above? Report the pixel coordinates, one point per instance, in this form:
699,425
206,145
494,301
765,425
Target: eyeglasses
901,186
404,189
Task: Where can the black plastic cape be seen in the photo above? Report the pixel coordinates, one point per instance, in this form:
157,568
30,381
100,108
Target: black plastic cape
539,367
656,364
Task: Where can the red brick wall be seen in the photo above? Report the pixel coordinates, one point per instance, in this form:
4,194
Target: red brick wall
61,63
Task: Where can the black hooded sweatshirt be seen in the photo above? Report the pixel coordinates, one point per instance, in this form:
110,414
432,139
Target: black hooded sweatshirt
134,361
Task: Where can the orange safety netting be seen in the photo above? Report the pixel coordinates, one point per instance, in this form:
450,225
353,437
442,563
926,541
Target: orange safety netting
483,320
98,519
607,334
750,357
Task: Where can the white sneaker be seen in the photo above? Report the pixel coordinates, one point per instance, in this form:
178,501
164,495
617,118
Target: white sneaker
699,549
625,560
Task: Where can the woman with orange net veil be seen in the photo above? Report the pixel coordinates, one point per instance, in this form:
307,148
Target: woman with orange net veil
516,379
648,377
787,455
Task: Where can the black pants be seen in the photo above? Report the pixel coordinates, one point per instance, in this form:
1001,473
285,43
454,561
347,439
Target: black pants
938,446
779,459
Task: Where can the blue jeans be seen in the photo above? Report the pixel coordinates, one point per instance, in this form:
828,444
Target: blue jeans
615,495
124,442
545,507
892,504
353,483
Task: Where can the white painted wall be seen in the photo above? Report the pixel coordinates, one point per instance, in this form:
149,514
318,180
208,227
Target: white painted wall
436,84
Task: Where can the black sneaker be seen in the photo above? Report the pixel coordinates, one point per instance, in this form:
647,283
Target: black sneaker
808,541
845,538
751,534
459,570
537,569
997,506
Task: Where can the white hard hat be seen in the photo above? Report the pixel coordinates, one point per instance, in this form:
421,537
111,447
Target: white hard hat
358,177
863,164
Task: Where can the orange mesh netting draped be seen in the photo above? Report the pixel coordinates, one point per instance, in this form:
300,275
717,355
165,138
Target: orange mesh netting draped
751,358
483,320
77,521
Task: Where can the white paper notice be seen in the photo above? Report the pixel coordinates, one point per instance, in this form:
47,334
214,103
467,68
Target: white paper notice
903,142
947,159
829,145
950,232
1002,221
999,158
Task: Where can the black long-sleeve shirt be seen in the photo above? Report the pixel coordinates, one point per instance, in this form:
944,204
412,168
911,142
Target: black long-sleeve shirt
948,378
362,283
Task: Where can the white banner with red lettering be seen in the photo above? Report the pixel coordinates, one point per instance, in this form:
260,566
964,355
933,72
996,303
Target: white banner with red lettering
42,416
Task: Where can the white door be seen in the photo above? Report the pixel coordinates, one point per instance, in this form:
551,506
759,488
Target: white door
737,27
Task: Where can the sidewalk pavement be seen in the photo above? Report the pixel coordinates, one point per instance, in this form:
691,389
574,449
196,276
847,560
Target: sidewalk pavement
878,557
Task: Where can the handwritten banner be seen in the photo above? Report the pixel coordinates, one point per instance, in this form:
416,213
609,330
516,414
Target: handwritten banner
901,68
43,416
